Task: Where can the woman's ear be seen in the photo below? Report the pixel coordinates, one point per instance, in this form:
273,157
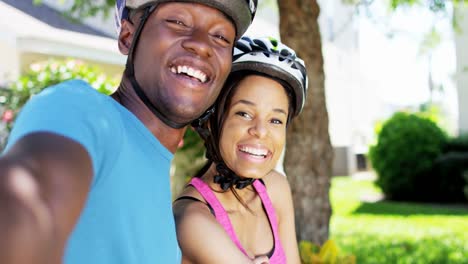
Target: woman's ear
126,36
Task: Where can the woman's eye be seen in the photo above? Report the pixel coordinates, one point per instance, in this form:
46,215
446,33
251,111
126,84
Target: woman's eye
276,121
243,114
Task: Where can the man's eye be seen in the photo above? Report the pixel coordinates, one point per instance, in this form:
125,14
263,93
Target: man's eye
175,21
223,38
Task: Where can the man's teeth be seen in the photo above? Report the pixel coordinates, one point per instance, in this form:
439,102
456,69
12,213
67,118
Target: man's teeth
254,151
190,72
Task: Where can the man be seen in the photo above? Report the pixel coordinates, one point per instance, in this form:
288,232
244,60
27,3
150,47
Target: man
84,178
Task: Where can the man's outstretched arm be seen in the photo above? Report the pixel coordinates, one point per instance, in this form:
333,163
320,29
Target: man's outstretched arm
44,182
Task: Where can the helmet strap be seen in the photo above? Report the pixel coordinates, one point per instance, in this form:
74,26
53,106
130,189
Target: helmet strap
226,178
130,73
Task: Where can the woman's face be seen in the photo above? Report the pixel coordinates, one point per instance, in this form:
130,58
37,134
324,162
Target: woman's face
254,130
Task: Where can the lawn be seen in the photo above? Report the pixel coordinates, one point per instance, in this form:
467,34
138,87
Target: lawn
393,232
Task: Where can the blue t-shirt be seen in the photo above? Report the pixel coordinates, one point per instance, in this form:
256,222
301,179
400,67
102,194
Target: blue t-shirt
128,215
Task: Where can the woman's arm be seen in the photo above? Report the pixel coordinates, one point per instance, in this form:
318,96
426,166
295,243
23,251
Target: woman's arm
202,239
280,194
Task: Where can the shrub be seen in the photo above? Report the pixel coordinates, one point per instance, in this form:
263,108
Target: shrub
458,144
404,156
465,189
189,158
450,167
42,75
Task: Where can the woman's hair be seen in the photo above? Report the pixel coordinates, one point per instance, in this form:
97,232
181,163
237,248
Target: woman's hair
211,131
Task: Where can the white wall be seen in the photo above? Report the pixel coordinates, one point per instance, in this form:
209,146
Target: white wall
9,62
461,43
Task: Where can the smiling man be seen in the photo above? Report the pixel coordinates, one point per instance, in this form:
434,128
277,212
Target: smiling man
85,177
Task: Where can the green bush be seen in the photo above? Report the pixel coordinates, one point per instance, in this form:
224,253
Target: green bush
465,189
458,144
189,158
42,75
450,167
404,156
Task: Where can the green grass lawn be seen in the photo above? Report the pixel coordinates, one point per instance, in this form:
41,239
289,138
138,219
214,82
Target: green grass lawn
393,232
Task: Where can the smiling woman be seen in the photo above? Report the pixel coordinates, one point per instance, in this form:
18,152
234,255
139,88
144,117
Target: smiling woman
238,198
254,129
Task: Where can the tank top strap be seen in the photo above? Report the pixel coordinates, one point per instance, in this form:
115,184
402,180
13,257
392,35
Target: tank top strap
278,254
220,214
261,190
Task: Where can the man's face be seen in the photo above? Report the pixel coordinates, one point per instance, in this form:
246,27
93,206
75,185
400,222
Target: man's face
183,57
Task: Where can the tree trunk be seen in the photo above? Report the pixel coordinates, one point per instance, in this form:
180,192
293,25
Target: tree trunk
309,155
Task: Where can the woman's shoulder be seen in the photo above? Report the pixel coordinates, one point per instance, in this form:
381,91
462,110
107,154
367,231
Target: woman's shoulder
191,205
276,182
278,188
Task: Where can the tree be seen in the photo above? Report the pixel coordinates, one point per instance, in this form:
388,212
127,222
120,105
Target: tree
309,154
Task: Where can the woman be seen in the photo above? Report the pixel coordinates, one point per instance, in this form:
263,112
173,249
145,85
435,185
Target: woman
238,209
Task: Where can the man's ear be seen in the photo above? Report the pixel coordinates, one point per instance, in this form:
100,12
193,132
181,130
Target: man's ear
126,36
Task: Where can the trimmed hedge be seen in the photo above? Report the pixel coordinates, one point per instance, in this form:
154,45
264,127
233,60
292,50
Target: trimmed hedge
450,167
407,147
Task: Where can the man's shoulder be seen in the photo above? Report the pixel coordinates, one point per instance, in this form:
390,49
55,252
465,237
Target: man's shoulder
71,88
72,94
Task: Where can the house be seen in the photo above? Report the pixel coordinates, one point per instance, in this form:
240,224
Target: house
30,33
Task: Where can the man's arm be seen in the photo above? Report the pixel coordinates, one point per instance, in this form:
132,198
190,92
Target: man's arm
44,182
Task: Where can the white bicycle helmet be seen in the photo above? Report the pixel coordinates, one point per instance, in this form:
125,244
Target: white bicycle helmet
241,12
273,58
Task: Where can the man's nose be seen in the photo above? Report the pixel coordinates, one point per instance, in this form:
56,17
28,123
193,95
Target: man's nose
199,43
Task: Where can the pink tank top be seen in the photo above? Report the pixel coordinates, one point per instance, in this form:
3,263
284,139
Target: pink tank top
278,256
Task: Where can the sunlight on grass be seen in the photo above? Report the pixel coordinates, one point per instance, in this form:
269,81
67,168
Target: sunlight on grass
391,232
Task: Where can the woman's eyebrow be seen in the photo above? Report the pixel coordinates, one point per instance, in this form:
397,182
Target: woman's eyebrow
280,110
250,103
243,101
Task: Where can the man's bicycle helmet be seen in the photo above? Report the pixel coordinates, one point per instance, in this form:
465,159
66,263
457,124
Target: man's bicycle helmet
271,57
241,12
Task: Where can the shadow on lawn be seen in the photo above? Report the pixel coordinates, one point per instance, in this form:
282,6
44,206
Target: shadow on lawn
404,209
